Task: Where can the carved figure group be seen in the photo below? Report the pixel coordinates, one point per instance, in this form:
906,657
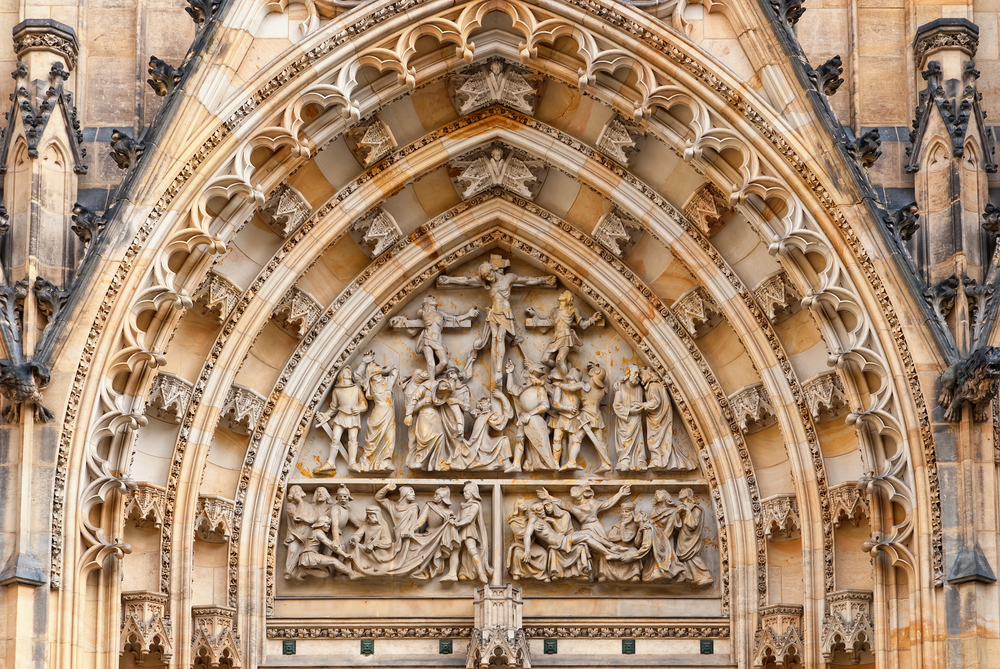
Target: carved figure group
416,542
553,405
662,545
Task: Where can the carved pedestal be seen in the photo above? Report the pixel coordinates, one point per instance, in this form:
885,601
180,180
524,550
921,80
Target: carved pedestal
144,630
778,642
213,643
498,638
847,628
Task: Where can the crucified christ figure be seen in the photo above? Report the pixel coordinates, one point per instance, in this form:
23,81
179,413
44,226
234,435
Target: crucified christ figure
500,321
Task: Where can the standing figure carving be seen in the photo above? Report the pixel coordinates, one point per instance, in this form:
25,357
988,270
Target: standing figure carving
474,562
427,448
665,520
567,398
689,543
347,403
431,322
501,324
340,514
628,408
531,402
441,538
482,450
563,319
380,434
663,452
591,423
454,398
404,514
371,548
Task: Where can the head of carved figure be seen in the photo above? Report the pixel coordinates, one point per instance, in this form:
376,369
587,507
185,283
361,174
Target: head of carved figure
343,495
628,511
496,66
430,303
321,496
597,374
471,491
662,497
687,496
581,492
575,375
373,515
487,271
484,406
443,494
549,508
496,154
296,494
642,518
406,493
451,373
345,378
648,376
565,299
536,510
632,374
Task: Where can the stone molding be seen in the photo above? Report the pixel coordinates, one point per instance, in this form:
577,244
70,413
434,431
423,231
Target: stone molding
848,627
285,210
145,629
698,311
622,628
779,637
214,519
847,502
213,639
296,312
824,394
781,517
752,408
242,409
47,35
144,505
169,397
217,296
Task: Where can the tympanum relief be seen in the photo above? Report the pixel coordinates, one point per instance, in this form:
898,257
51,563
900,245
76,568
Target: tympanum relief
498,369
496,429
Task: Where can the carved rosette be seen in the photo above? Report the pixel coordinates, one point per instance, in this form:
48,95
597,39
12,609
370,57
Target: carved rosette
297,312
214,519
697,311
781,517
752,408
777,297
847,629
615,140
169,397
824,396
706,208
144,629
285,211
217,296
495,83
778,642
144,505
371,142
380,232
242,409
847,502
213,642
613,231
498,638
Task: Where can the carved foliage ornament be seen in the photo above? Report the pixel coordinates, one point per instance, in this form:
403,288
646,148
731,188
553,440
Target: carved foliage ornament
217,296
752,408
698,311
35,110
47,35
213,642
617,231
781,517
848,627
706,208
973,381
285,210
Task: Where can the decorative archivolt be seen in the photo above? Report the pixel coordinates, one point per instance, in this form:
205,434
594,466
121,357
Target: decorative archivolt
195,235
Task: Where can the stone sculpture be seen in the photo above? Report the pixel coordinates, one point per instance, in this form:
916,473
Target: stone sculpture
347,403
663,453
501,324
628,408
380,431
431,323
416,542
482,450
531,402
564,338
661,545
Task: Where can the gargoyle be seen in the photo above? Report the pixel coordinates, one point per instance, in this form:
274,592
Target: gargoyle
974,380
21,383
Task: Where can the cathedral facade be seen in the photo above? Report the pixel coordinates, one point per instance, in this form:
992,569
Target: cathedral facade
500,334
